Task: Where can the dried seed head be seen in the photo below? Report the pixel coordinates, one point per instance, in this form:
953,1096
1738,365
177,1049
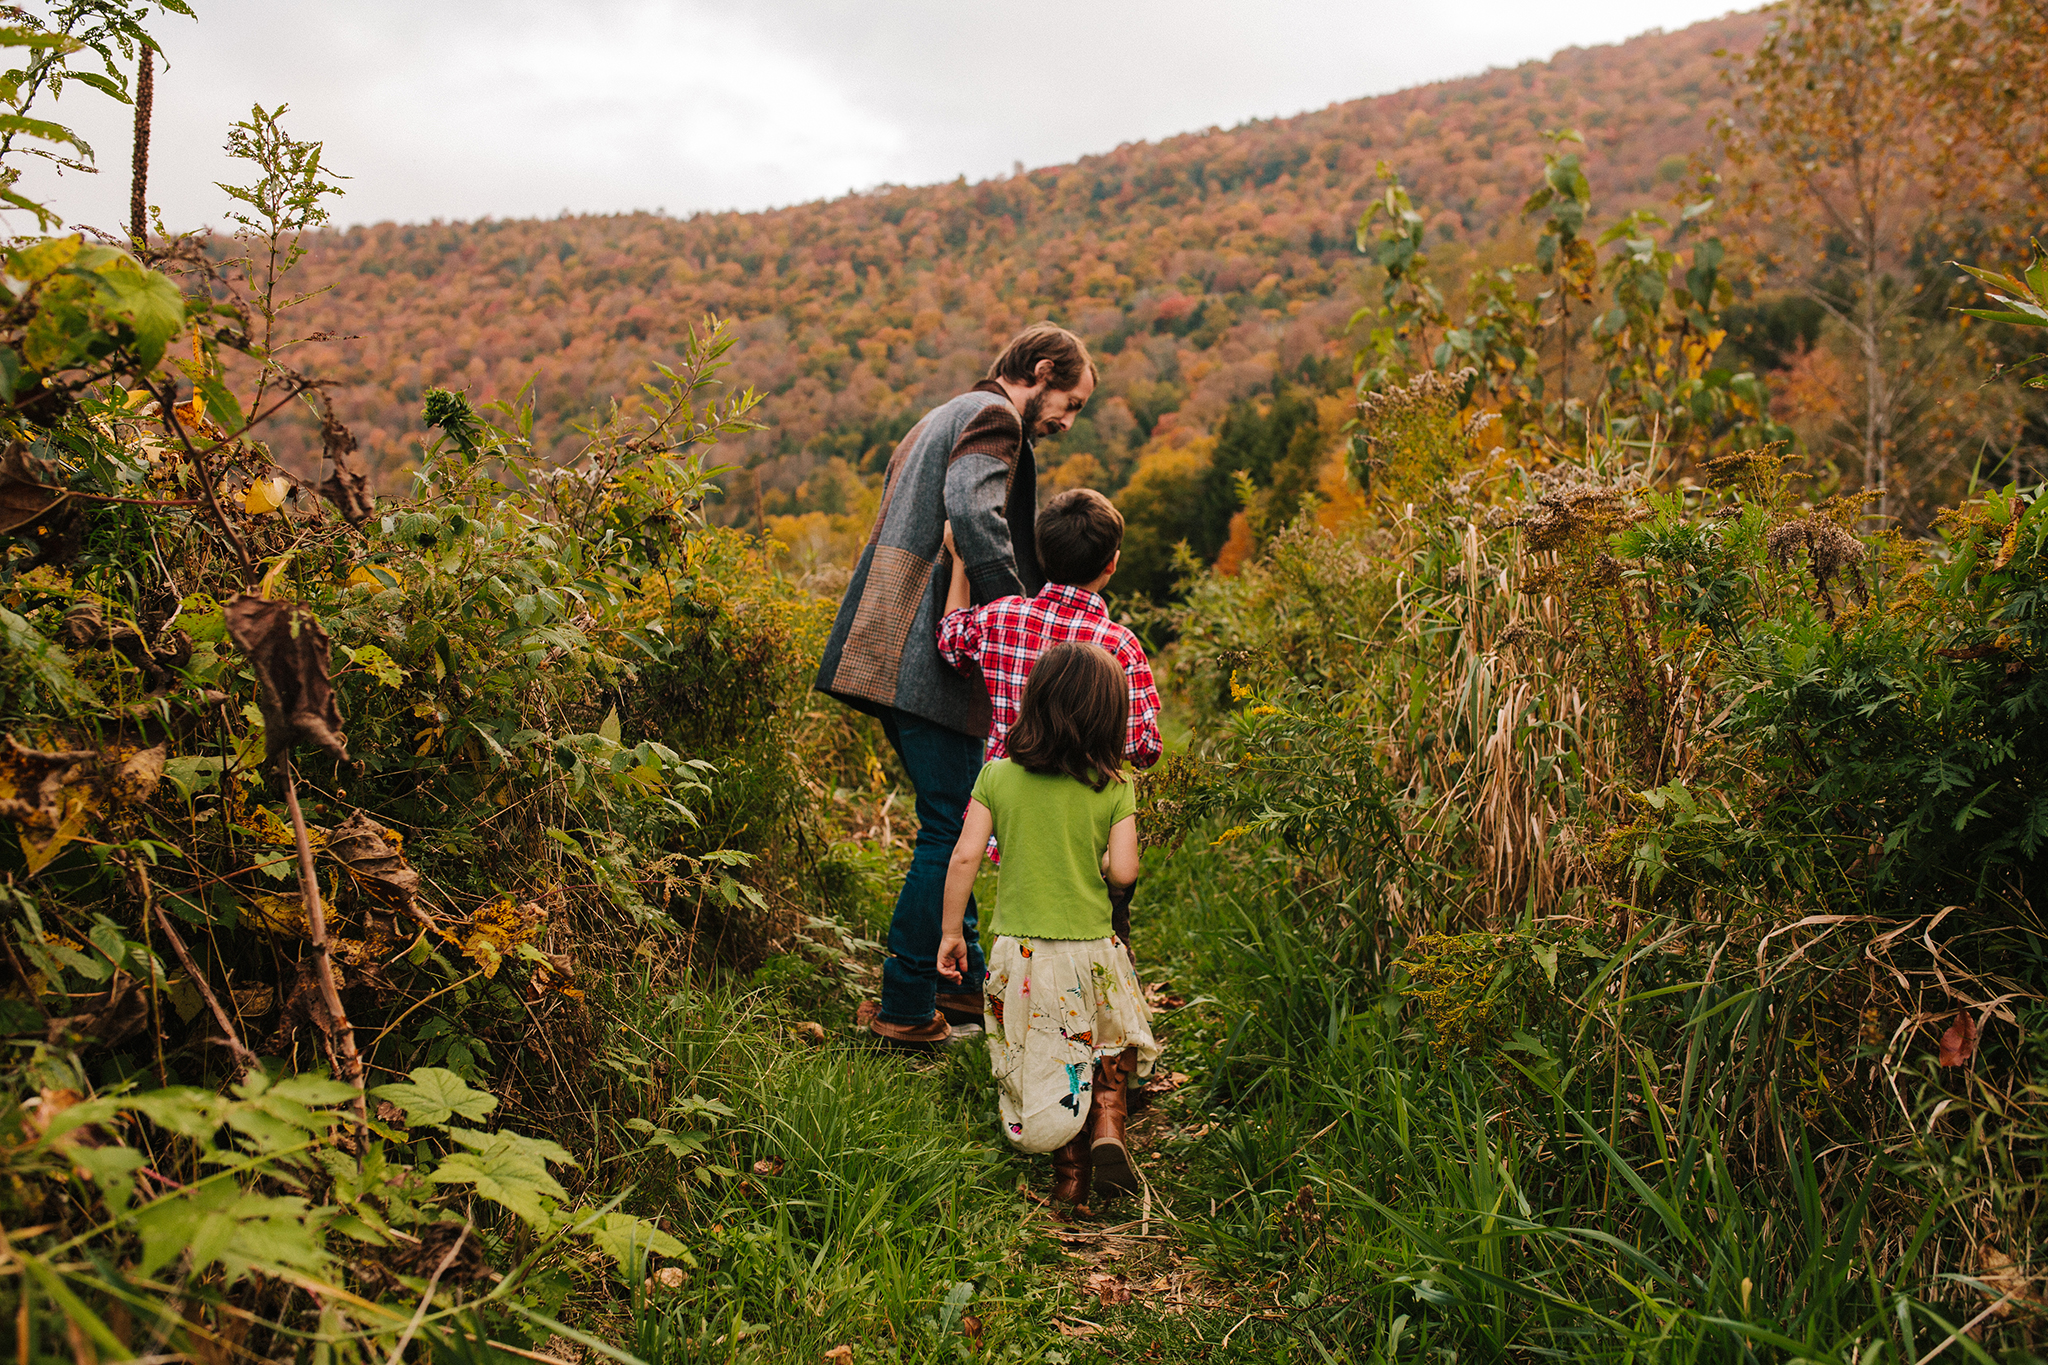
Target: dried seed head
1786,541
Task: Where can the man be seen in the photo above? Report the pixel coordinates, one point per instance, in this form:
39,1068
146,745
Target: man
969,461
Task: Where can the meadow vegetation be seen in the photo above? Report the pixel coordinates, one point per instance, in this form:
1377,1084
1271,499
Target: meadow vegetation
1591,897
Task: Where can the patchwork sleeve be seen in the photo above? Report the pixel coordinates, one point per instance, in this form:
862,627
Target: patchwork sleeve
977,489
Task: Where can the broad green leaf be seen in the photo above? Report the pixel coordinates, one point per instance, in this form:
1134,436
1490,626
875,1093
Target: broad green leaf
193,775
112,1169
435,1095
219,1224
507,1170
148,302
313,1088
618,1234
540,1149
185,1110
610,729
681,1145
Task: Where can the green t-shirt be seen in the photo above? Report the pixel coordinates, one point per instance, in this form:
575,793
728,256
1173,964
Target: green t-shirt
1052,831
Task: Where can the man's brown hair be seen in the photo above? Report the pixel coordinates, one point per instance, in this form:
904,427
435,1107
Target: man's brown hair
1044,341
1079,532
1076,708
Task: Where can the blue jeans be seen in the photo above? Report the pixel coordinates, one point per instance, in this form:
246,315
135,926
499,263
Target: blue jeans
942,764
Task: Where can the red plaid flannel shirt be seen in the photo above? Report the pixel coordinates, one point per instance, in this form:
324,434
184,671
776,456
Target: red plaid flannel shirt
1006,637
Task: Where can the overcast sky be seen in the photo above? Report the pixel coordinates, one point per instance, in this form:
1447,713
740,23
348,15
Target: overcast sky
460,109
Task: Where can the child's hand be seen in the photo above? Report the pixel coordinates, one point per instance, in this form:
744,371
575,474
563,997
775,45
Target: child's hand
952,957
948,538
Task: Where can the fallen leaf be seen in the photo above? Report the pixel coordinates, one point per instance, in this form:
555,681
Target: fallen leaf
841,1354
1110,1289
2011,1285
347,484
971,1325
810,1031
254,1002
768,1165
135,781
668,1277
285,915
1079,1327
24,497
48,796
291,656
370,853
1959,1044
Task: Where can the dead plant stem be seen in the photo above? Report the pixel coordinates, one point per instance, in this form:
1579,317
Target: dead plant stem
323,958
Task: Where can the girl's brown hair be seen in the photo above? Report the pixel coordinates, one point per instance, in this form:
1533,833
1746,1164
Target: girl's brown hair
1076,707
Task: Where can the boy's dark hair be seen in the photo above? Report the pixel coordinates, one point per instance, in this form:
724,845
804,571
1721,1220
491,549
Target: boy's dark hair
1079,532
1076,707
1018,362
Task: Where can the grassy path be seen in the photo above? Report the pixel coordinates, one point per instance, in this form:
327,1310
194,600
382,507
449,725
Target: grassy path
835,1194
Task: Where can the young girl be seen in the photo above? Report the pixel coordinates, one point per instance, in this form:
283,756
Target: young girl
1068,1026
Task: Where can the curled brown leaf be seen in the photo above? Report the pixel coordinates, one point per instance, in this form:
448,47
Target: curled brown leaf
291,655
24,497
347,484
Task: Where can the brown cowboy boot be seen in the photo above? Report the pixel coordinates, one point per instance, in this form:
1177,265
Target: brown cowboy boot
1110,1156
1072,1170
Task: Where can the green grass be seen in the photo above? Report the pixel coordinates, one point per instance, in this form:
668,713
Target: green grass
1330,1185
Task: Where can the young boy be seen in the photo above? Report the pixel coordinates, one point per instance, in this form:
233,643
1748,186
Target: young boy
1080,537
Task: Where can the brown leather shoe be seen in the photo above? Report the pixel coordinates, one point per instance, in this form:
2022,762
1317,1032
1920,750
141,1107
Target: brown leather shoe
961,1009
1110,1155
1072,1170
920,1037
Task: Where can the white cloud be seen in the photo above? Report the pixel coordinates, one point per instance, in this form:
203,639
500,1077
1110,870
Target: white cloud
465,109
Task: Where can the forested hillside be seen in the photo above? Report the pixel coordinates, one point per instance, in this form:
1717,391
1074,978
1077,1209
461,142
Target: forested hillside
1198,265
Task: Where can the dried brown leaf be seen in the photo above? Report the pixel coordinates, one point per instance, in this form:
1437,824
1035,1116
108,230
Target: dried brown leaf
370,853
49,795
842,1354
1110,1289
291,655
24,497
1959,1044
809,1030
135,781
347,484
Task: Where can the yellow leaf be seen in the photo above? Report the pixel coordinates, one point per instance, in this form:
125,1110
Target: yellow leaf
280,915
266,495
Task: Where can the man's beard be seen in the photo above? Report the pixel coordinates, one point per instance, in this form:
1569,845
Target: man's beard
1034,412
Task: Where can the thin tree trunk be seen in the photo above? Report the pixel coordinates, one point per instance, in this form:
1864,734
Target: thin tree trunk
138,189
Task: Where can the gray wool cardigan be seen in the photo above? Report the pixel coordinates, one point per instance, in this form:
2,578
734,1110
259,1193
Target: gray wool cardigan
967,460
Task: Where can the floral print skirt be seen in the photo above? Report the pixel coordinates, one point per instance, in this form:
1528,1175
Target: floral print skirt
1053,1006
